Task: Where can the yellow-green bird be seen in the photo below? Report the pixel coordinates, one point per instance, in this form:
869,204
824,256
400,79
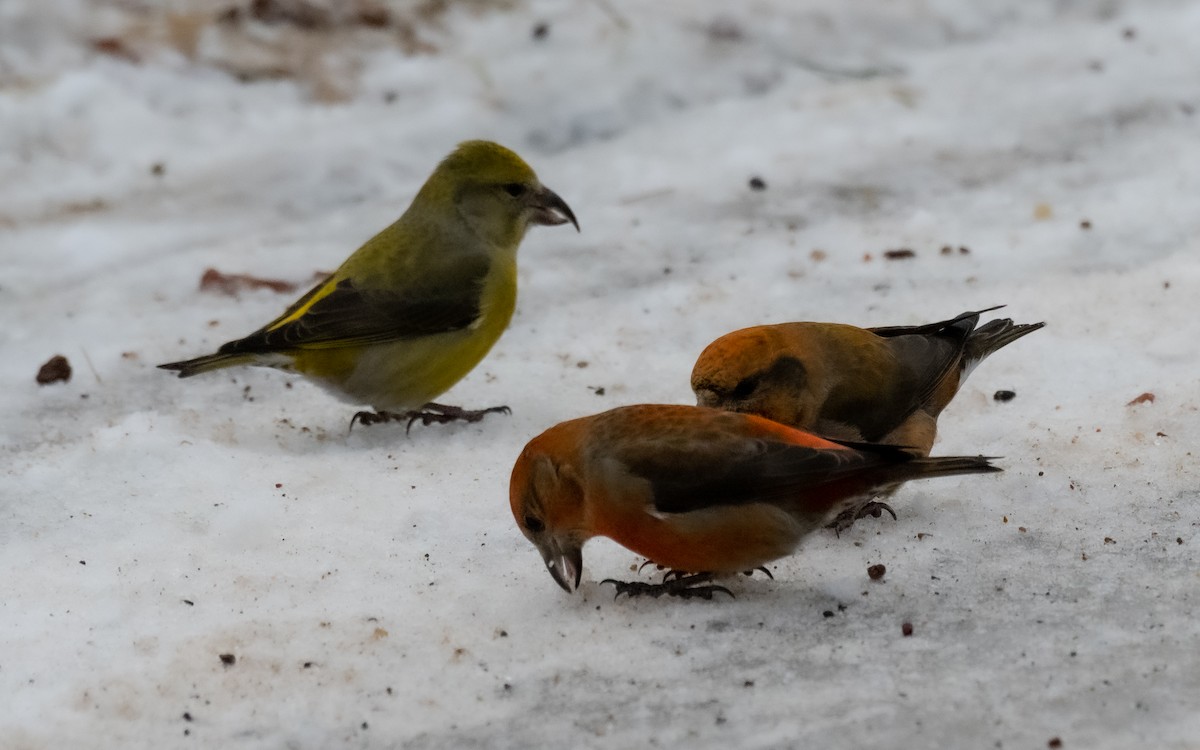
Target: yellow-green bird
412,311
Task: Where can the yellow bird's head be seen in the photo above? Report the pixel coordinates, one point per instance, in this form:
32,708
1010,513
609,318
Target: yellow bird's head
496,194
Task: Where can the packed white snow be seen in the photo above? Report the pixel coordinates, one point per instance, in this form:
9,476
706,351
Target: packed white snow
370,589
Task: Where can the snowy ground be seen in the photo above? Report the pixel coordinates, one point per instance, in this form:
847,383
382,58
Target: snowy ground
373,587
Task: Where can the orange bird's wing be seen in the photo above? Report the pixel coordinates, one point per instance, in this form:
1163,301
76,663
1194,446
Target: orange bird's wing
930,352
776,473
732,459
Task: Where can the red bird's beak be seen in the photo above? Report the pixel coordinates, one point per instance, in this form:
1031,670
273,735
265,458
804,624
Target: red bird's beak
564,561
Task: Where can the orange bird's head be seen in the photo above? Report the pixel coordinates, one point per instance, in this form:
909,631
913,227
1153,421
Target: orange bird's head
547,503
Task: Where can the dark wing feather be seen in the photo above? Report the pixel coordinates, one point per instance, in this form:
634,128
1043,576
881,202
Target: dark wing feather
766,471
930,352
967,320
351,316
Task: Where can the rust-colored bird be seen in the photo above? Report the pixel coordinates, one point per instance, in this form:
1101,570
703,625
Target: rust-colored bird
873,385
695,489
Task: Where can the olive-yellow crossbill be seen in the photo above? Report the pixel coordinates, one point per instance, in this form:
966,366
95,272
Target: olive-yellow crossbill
874,385
695,489
413,310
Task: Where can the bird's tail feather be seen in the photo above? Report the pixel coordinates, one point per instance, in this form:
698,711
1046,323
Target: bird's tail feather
993,335
191,367
947,466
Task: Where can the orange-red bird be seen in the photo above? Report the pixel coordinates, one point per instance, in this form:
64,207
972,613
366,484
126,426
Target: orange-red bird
696,489
873,385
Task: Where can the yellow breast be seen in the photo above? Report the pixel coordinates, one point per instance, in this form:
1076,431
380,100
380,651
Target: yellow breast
407,374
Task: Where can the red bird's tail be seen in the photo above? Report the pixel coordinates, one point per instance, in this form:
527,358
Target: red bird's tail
947,466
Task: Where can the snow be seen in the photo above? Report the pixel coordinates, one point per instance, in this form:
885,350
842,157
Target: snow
373,587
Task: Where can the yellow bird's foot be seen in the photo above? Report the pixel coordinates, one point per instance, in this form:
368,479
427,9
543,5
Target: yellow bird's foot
675,583
431,413
846,518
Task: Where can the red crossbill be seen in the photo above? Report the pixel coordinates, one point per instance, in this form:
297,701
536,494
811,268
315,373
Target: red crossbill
695,489
874,385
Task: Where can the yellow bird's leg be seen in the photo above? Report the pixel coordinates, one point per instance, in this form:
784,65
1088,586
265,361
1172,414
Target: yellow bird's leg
429,414
432,413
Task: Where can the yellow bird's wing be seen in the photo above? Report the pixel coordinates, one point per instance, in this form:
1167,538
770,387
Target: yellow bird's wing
340,313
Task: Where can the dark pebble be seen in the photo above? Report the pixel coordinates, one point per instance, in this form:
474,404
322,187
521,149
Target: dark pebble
57,369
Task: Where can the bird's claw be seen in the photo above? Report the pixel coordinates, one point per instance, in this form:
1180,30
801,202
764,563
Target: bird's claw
648,562
875,510
846,518
440,414
682,585
429,414
368,418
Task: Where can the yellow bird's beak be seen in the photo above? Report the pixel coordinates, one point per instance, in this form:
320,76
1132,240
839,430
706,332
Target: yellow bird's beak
549,209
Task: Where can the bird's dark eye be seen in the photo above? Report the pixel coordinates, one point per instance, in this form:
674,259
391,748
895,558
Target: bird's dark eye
534,524
515,189
745,387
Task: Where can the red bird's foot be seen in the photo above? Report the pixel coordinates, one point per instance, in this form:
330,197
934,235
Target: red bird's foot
763,568
680,585
650,562
677,574
429,414
846,518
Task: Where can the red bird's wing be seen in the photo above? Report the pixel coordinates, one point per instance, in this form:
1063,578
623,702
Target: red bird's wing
779,475
707,466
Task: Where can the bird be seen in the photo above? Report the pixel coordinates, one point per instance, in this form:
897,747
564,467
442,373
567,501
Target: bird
413,310
701,491
873,385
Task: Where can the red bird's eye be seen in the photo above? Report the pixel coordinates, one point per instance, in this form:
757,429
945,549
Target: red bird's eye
745,387
534,524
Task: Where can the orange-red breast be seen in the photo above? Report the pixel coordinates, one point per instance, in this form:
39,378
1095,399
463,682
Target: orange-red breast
874,385
695,489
